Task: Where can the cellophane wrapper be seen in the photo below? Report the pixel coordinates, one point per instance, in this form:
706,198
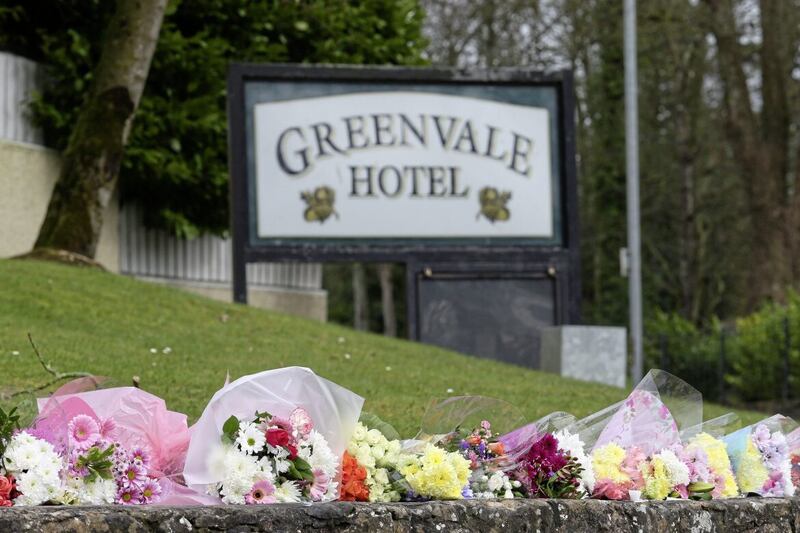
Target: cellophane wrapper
334,411
141,419
651,418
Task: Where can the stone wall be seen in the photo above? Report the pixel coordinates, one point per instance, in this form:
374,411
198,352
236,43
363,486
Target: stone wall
750,515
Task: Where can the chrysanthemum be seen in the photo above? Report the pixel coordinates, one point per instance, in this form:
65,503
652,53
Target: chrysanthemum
83,432
263,492
287,492
320,485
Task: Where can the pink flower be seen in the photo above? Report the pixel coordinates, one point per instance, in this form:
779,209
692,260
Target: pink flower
108,428
133,474
301,422
83,432
261,493
129,495
151,491
141,455
605,489
630,466
319,487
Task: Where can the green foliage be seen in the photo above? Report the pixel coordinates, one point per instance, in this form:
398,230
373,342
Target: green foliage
761,345
678,346
97,462
9,422
176,159
230,429
753,356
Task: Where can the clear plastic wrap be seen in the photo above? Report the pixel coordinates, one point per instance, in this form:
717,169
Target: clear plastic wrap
333,409
650,418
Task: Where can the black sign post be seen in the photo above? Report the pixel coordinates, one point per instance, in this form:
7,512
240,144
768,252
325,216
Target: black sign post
543,270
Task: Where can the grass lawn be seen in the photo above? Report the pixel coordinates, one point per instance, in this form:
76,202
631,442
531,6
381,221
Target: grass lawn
84,320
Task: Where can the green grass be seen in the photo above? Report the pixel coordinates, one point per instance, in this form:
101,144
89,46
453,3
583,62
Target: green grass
85,320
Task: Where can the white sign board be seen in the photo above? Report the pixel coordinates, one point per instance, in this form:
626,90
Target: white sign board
402,164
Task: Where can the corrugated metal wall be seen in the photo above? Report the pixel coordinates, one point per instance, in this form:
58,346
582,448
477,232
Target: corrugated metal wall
19,78
152,253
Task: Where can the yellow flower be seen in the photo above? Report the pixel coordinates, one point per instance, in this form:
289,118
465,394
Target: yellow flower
606,462
752,473
438,474
718,460
657,484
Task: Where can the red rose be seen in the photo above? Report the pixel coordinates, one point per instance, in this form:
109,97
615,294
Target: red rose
6,486
277,437
5,503
292,450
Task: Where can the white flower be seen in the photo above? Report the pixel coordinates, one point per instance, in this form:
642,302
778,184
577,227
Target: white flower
677,470
374,437
496,481
573,445
287,492
360,433
321,456
251,439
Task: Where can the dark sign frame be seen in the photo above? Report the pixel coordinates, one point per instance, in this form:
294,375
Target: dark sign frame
565,255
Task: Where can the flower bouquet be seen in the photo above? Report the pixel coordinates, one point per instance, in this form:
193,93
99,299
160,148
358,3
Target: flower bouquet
760,457
275,436
144,432
635,444
462,425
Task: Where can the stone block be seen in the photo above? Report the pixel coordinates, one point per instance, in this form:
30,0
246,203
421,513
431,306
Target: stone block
588,353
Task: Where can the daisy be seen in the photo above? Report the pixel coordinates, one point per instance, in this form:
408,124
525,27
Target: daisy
141,456
262,492
133,473
83,432
151,491
129,495
251,439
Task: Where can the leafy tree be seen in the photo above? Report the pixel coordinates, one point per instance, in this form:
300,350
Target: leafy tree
176,160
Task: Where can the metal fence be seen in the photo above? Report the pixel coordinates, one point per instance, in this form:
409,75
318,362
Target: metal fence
153,253
19,78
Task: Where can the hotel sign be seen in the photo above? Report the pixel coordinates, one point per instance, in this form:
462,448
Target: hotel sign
412,165
405,164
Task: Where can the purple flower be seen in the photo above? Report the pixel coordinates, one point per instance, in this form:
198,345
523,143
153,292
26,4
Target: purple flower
129,495
761,435
141,455
133,474
151,491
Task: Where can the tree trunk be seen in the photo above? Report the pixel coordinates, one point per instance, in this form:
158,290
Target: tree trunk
92,158
360,303
387,300
759,145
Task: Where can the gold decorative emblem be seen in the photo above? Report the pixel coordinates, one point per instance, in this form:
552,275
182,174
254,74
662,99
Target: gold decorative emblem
320,204
493,204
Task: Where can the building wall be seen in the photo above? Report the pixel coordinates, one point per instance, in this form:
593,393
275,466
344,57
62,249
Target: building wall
28,173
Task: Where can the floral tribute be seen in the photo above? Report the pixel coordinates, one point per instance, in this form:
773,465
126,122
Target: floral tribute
270,459
488,462
761,461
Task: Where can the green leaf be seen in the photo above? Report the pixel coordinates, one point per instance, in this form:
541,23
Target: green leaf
231,427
